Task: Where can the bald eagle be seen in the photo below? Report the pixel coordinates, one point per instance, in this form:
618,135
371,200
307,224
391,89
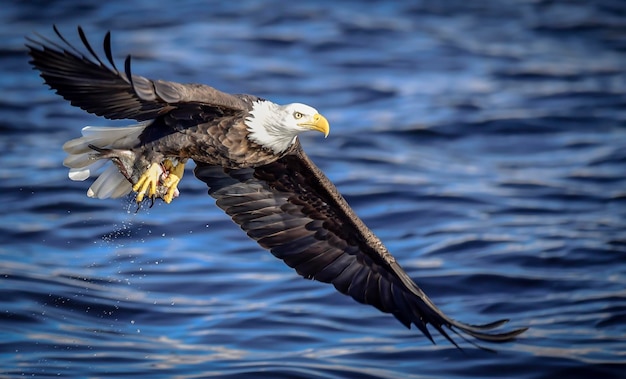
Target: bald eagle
246,150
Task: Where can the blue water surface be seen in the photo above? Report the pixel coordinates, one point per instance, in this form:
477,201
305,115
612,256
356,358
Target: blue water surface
483,141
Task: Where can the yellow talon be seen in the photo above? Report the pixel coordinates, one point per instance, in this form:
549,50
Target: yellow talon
147,183
175,174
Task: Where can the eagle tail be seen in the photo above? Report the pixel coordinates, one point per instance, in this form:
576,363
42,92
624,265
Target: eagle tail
89,154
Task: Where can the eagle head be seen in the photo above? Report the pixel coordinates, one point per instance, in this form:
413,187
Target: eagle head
276,127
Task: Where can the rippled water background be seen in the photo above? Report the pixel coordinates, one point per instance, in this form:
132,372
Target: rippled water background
483,141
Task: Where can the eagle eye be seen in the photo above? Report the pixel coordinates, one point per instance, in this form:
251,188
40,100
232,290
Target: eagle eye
297,115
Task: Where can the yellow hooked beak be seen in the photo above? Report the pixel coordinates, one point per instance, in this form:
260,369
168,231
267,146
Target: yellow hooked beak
319,123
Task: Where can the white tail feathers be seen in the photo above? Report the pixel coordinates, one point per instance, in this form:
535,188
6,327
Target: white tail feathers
110,184
84,162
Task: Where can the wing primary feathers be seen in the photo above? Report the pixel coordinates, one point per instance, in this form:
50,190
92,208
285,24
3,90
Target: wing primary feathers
438,326
483,327
49,41
67,44
129,75
87,45
108,51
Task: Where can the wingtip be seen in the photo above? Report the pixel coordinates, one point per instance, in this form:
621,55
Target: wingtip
493,337
128,72
490,325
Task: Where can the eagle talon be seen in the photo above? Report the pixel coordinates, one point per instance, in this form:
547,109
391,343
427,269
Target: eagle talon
174,173
147,183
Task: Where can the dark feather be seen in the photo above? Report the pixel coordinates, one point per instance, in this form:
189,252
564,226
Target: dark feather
293,210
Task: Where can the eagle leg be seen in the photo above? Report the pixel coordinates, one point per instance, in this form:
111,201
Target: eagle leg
174,175
147,183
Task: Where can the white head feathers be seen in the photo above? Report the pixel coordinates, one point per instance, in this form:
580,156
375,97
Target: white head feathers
276,126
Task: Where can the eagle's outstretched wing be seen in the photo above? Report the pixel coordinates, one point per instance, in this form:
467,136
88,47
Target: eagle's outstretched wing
292,209
100,88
